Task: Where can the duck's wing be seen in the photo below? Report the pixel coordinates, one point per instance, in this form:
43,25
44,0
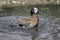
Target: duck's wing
24,22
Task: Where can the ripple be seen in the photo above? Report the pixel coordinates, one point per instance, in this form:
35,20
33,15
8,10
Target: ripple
46,25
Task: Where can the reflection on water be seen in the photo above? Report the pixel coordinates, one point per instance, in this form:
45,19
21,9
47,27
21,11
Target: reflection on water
25,10
49,25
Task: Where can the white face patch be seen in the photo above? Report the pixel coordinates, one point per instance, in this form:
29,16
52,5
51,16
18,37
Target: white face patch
35,10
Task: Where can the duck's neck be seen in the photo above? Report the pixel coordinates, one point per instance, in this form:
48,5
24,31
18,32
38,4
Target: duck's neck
35,17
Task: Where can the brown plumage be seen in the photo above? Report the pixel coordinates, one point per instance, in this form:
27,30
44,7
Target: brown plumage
31,22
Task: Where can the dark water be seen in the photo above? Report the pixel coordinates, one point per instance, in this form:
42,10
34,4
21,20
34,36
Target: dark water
49,25
53,10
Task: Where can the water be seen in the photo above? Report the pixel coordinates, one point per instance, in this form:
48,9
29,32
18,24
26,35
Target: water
49,25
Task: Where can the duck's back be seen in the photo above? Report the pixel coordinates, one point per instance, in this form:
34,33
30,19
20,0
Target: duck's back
28,22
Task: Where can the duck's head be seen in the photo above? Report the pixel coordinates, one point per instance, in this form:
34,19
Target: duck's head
34,10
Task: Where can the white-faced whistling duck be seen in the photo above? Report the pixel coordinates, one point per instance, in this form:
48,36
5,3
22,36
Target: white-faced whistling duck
27,23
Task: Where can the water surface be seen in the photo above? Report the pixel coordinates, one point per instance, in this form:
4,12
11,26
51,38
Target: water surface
49,18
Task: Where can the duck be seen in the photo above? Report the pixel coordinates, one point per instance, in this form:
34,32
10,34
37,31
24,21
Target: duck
32,22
